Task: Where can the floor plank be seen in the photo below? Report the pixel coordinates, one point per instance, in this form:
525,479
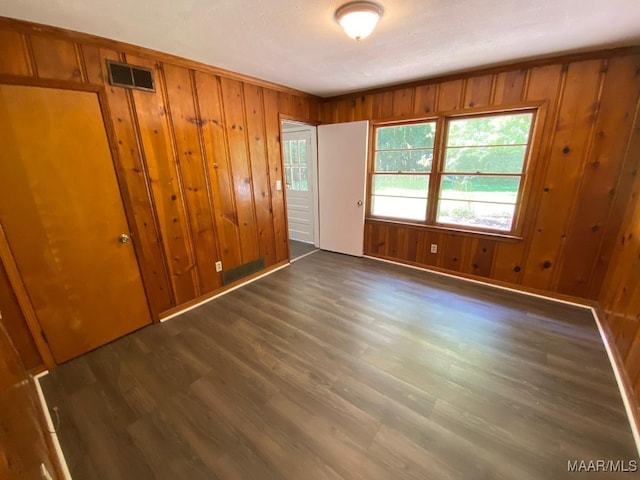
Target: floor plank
347,368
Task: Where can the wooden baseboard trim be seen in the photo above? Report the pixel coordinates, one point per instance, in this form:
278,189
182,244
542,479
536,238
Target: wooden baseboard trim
624,385
53,436
185,307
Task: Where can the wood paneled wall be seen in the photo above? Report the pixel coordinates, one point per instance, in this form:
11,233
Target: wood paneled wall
24,440
620,296
199,158
582,170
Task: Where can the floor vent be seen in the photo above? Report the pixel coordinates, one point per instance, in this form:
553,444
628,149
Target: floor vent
130,76
241,271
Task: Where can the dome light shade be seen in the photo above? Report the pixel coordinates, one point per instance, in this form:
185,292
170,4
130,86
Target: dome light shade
358,19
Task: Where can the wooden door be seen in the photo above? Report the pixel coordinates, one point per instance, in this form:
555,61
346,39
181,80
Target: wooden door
299,175
62,217
342,173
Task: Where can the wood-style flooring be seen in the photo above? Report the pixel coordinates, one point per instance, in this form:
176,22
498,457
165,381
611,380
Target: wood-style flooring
298,249
346,368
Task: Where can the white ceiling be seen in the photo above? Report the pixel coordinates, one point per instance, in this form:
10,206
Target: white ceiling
298,43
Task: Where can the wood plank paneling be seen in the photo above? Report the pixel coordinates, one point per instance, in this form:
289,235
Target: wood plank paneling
219,166
232,95
161,164
193,174
56,59
260,171
579,180
574,128
191,155
274,156
13,54
479,91
601,170
134,172
16,325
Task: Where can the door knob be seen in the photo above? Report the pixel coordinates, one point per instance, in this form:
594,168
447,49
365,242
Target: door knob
359,203
124,238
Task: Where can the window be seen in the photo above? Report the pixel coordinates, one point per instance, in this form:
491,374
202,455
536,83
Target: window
402,169
474,181
295,165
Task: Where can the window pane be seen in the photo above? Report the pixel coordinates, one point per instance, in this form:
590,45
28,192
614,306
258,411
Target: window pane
401,185
304,184
480,188
492,130
287,156
287,176
399,207
497,216
485,159
294,153
302,149
404,161
419,135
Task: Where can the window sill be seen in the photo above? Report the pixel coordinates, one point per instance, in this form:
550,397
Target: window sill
506,237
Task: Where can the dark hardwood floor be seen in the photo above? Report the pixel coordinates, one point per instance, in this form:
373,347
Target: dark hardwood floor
345,368
298,249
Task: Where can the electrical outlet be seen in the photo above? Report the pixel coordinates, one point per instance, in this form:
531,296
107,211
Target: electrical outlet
278,185
218,266
434,248
44,473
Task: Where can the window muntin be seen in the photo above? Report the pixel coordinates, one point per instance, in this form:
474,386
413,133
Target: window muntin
478,172
402,167
487,156
295,165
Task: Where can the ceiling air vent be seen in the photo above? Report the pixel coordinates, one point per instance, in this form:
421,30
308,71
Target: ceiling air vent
130,76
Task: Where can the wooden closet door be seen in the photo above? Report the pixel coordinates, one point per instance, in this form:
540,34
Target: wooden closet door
62,215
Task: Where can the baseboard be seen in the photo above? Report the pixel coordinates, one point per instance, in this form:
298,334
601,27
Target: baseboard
622,380
62,463
174,312
305,255
566,299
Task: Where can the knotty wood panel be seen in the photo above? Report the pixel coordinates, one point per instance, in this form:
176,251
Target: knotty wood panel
16,325
259,171
580,178
274,158
620,295
23,436
192,174
186,210
232,94
219,165
55,58
169,203
133,170
13,56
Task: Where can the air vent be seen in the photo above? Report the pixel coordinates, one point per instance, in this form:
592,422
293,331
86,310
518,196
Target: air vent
130,76
242,271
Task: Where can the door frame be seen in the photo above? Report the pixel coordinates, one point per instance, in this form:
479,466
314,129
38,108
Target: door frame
6,256
312,126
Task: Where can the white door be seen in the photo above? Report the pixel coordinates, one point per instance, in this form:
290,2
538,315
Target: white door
342,173
298,174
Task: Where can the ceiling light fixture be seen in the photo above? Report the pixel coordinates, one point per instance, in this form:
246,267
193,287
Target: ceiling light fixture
358,19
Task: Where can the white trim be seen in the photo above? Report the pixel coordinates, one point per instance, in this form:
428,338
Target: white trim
50,426
626,395
305,255
191,307
509,289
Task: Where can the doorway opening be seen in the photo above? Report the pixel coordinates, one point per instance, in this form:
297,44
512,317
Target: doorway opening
300,164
